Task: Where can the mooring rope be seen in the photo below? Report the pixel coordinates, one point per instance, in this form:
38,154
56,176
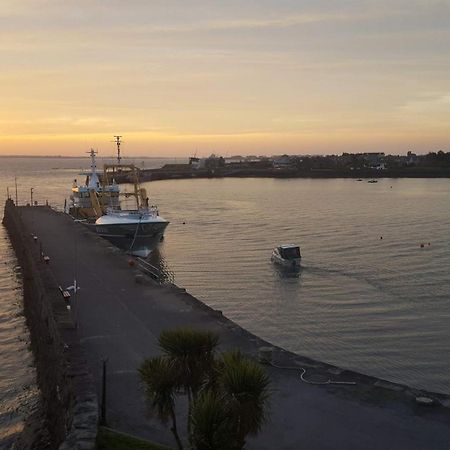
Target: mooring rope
321,383
135,233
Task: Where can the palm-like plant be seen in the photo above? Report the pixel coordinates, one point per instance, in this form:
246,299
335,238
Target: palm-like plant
160,385
212,425
245,385
192,354
227,396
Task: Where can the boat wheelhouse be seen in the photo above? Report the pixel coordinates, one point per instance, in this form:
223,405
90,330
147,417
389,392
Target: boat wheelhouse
84,197
287,255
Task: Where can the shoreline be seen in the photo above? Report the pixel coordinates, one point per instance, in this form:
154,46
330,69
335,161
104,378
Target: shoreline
173,172
315,367
66,410
153,307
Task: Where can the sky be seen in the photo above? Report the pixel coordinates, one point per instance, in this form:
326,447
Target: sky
177,78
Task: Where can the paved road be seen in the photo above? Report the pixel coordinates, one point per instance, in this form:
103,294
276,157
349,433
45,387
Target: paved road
121,319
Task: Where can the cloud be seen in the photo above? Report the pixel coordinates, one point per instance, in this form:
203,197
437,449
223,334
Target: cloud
429,107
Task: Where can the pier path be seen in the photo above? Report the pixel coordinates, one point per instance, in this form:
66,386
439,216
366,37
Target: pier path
120,319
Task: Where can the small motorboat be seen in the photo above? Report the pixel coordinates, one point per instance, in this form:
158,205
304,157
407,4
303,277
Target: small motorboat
287,255
373,181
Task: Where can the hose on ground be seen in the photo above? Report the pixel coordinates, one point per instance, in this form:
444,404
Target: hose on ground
303,372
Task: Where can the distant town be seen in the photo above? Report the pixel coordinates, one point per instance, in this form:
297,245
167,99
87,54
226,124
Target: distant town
347,165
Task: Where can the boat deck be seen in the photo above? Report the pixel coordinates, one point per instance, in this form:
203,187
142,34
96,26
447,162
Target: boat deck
120,319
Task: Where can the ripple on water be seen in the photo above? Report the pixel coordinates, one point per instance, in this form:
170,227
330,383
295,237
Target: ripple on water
375,305
18,392
370,304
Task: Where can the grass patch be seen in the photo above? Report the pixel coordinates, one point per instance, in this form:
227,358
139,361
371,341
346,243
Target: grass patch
113,440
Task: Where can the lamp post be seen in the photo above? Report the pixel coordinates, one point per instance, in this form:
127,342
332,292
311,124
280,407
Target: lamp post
103,400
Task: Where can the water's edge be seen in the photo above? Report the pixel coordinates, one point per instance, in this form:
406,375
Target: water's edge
366,386
69,411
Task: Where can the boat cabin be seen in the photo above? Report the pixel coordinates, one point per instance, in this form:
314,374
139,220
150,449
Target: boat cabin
289,252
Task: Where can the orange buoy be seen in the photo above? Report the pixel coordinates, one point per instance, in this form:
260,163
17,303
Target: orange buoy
131,262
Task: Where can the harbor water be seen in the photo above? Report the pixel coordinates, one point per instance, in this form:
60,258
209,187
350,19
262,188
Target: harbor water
374,291
372,295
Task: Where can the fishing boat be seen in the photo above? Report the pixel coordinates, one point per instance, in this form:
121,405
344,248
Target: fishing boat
287,255
81,205
137,229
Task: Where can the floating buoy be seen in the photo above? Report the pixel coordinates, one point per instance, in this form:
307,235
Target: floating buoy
422,245
131,262
184,223
381,237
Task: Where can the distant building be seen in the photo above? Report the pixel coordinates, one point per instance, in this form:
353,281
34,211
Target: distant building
282,161
194,162
375,160
212,162
411,159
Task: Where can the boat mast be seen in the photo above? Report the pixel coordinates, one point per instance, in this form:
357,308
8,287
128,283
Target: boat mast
92,154
118,142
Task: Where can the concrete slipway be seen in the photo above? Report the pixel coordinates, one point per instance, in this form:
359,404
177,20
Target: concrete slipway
120,319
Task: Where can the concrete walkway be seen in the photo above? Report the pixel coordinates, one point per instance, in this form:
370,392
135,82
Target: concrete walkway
120,319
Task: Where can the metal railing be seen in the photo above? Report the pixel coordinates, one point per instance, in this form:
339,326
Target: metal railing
154,272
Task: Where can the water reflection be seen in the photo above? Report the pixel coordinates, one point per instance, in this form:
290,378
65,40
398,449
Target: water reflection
157,260
287,271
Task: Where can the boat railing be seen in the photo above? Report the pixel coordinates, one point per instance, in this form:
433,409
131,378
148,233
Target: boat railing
150,211
154,272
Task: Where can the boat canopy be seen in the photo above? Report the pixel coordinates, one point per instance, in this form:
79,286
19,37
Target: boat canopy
289,251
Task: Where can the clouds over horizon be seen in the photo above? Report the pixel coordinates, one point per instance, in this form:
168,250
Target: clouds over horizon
210,68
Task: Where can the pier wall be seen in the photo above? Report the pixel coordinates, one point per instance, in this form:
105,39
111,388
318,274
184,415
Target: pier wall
68,396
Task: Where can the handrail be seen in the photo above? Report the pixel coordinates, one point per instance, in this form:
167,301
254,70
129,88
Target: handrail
154,271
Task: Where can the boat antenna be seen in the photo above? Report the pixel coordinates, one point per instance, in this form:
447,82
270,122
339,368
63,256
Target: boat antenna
118,142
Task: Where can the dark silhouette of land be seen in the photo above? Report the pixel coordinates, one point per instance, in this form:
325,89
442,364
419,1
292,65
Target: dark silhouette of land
347,165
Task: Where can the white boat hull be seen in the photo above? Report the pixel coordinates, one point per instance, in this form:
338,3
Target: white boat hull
138,239
289,263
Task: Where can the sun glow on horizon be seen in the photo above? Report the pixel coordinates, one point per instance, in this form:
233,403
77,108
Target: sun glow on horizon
225,78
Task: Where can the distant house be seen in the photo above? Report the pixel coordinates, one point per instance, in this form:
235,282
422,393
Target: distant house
282,161
235,159
411,159
212,162
375,160
194,162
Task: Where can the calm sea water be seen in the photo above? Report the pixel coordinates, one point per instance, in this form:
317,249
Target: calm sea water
379,306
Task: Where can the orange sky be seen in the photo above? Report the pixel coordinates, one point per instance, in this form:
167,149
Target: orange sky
225,77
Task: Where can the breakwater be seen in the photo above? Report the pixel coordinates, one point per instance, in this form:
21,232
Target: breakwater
184,171
68,415
121,315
